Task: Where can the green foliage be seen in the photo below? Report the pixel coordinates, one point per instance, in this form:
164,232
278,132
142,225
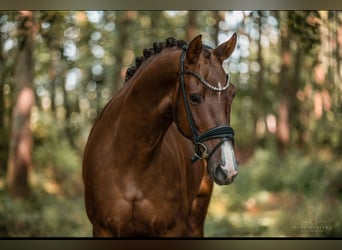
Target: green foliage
42,215
80,60
55,206
59,160
328,131
304,26
298,195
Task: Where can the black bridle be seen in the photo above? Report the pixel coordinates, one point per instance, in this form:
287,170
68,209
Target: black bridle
223,132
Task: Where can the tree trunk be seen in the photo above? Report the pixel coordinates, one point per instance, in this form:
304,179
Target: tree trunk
69,107
6,65
259,116
3,127
218,16
299,113
283,127
125,19
20,157
192,27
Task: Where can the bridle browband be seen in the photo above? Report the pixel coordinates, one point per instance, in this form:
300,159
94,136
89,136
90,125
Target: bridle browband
223,132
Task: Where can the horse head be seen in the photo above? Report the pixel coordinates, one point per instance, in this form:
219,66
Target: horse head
202,107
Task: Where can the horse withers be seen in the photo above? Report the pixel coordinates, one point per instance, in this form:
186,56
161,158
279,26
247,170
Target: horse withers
159,144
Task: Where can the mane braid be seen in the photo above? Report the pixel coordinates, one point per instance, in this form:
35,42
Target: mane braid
147,53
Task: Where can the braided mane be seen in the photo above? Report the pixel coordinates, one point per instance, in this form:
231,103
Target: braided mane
147,53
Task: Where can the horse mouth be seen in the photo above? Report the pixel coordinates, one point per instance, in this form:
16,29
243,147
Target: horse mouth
223,182
221,177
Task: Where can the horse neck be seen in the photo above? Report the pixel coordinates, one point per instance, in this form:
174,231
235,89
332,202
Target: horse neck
147,107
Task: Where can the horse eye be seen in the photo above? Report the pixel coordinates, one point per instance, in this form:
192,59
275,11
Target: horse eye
195,98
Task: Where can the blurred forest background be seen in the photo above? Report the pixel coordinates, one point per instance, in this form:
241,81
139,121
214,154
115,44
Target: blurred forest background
59,68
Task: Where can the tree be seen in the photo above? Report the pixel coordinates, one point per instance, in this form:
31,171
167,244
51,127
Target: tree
299,34
20,159
192,27
6,65
283,128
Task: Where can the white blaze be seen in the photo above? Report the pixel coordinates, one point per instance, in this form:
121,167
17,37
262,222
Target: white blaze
228,159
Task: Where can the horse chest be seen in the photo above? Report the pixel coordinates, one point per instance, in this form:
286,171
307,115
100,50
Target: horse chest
140,213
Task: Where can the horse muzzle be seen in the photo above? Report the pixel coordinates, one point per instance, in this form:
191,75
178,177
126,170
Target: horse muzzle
222,165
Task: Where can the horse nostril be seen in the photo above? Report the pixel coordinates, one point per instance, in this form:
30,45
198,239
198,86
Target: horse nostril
221,173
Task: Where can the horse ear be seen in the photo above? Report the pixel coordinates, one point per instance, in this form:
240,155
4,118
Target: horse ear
194,49
223,51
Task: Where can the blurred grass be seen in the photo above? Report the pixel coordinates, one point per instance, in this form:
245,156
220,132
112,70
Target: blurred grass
55,206
297,195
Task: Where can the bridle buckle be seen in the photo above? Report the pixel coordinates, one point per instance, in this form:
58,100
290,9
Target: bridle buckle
203,154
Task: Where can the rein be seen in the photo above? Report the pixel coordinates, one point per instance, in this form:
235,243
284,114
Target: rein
223,132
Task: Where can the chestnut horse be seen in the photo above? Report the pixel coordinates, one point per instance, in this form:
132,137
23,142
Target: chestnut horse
158,145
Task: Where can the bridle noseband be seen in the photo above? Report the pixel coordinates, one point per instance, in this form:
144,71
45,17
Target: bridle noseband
223,132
